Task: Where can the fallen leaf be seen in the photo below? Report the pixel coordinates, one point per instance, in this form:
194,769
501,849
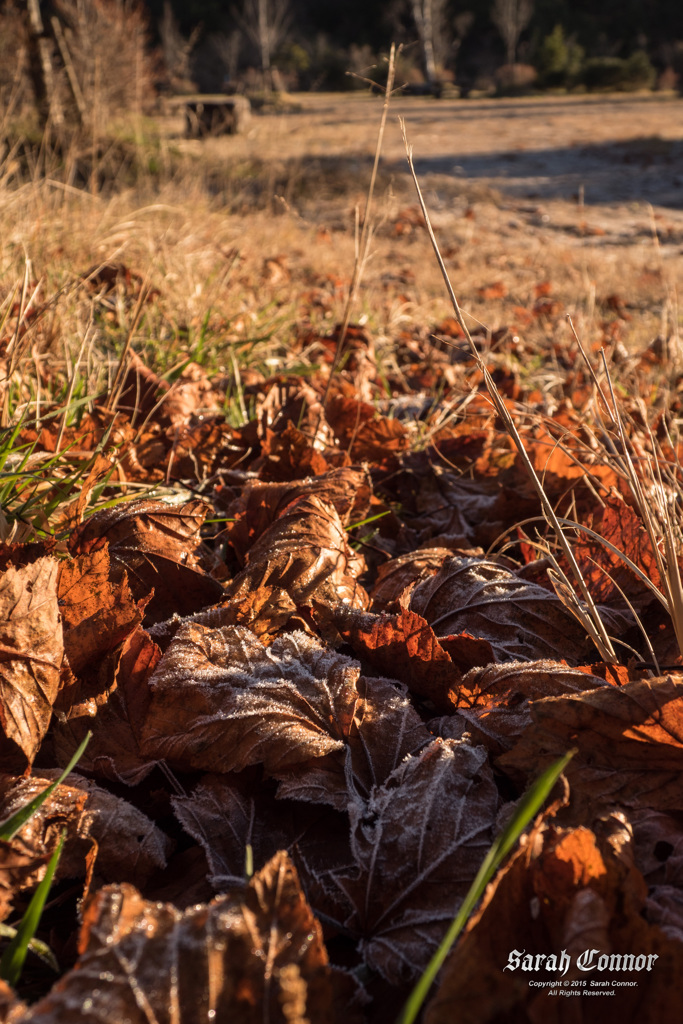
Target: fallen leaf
494,703
348,490
220,701
32,647
232,959
96,615
658,846
112,704
518,618
225,813
157,546
191,394
404,571
290,455
306,553
607,576
664,908
629,742
563,889
140,390
129,847
414,862
12,1009
21,867
405,647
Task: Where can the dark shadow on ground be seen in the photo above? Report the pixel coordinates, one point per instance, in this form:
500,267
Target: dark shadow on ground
643,170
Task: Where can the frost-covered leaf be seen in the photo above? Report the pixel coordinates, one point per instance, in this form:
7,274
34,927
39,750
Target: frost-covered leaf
418,841
157,546
221,701
305,552
243,958
225,813
520,619
31,649
629,741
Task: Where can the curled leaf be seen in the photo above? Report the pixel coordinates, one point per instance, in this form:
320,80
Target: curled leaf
236,958
519,619
305,552
31,646
221,701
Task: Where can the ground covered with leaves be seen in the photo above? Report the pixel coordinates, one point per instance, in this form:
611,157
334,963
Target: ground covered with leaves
303,607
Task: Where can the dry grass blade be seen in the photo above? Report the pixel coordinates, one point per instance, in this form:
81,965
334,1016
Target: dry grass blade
587,612
120,370
365,235
653,496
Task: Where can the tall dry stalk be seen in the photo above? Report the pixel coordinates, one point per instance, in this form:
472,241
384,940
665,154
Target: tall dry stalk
585,610
362,238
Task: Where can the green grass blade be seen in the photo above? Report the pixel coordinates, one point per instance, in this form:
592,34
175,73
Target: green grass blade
529,806
37,947
370,519
9,828
13,958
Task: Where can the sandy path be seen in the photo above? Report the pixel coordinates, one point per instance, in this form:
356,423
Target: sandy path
619,148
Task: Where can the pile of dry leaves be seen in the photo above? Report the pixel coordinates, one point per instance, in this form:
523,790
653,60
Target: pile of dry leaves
310,658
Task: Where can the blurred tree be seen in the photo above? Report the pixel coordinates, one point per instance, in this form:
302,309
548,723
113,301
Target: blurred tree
511,17
427,14
266,23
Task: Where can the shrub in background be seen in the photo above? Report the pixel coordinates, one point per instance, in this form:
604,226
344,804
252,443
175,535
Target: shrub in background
558,61
607,73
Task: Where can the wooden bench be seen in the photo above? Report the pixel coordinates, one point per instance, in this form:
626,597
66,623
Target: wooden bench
213,114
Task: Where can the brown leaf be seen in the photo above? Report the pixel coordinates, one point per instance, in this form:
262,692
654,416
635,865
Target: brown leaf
112,705
494,703
348,490
12,1009
96,615
191,393
158,546
129,845
305,552
399,573
658,846
21,867
31,645
518,618
664,907
221,701
224,813
607,576
629,740
405,647
140,390
263,610
414,862
290,455
562,890
235,959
